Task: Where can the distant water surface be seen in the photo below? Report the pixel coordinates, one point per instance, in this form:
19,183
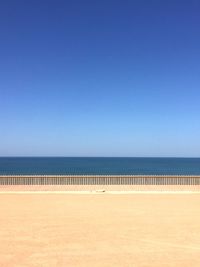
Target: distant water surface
98,166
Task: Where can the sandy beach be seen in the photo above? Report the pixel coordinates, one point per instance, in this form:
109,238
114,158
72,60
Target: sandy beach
99,230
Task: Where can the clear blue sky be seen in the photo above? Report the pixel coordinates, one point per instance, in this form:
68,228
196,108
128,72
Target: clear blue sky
100,78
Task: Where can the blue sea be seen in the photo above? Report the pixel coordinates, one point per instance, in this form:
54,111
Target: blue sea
98,166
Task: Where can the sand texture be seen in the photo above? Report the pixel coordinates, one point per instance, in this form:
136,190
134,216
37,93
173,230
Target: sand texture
94,230
93,188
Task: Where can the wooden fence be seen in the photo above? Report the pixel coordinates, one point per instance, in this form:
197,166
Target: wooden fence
98,180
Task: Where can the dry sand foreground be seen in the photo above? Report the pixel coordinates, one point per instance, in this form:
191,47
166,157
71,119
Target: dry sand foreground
99,230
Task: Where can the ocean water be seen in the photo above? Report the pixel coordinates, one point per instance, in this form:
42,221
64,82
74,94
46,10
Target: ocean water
98,166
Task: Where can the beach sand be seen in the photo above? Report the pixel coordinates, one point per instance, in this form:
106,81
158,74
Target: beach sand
102,229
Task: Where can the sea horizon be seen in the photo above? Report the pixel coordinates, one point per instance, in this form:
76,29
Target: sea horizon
99,165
